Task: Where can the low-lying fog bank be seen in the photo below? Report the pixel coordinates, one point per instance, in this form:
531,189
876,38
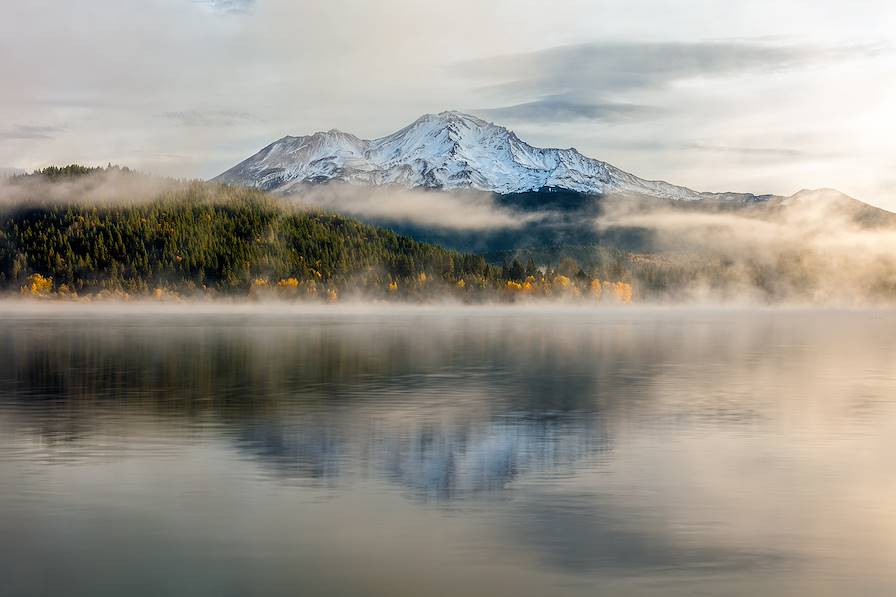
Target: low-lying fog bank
86,234
13,308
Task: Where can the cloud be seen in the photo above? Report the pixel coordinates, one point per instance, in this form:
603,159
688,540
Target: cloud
6,172
199,118
814,247
559,108
618,66
456,210
229,6
102,187
709,147
27,131
770,152
303,66
888,187
586,80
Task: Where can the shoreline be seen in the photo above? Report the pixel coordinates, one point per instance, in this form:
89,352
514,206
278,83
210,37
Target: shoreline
53,308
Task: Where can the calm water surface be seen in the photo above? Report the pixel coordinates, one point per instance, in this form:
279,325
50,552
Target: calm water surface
463,452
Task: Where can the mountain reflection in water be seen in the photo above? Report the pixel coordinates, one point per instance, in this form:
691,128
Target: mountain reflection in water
491,451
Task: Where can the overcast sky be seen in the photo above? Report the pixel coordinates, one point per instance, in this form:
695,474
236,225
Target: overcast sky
761,96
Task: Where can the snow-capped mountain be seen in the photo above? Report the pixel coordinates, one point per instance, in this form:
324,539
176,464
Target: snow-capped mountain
448,150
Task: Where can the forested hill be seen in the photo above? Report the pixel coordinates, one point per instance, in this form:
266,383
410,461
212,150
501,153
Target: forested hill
76,231
205,236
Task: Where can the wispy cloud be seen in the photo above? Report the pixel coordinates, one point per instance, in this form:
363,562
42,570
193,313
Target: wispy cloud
783,152
586,81
458,210
229,6
201,118
556,108
818,246
6,172
28,131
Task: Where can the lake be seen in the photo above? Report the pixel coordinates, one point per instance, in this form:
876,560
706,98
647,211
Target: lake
268,450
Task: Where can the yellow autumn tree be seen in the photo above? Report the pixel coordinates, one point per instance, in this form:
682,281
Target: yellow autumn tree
596,290
259,288
287,283
622,291
38,285
287,287
529,284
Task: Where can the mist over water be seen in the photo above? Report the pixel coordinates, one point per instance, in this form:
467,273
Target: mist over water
815,247
476,451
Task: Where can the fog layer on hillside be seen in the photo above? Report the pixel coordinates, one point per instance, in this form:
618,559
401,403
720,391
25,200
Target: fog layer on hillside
816,247
813,248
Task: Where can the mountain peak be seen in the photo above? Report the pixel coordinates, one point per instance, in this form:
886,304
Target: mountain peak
334,134
450,118
456,115
447,150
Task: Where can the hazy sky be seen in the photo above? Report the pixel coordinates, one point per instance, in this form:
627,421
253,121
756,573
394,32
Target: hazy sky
761,96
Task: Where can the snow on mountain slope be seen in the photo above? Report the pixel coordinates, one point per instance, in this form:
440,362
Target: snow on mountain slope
448,150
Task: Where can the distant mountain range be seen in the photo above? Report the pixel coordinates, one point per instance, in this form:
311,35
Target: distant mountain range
449,150
563,192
